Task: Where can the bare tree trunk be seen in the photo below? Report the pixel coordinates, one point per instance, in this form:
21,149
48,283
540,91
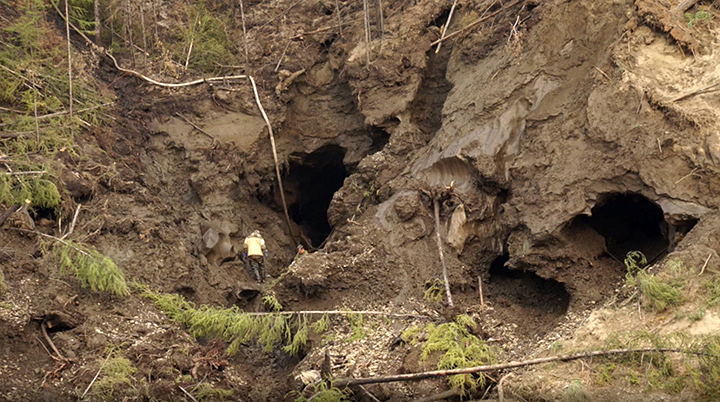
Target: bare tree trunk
436,206
144,37
339,17
69,53
247,54
381,21
366,23
98,25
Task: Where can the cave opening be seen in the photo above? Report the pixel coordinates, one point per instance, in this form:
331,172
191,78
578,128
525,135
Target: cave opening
312,180
630,222
526,293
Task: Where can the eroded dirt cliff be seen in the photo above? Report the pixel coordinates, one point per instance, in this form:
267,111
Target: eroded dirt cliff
564,134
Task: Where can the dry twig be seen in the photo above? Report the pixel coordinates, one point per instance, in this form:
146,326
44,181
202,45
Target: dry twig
480,292
501,392
43,327
196,127
72,224
187,393
692,172
366,25
447,24
335,312
603,73
709,88
96,376
247,55
28,172
705,265
472,25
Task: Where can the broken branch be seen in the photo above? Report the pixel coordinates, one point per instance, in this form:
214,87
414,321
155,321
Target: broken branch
447,24
709,88
43,326
705,265
343,382
187,393
29,172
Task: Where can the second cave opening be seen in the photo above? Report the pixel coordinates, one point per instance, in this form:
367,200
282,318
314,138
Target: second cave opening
630,222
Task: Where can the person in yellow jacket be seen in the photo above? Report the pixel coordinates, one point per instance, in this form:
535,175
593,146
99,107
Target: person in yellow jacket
255,252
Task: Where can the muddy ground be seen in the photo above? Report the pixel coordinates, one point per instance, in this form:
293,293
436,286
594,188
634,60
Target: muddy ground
569,131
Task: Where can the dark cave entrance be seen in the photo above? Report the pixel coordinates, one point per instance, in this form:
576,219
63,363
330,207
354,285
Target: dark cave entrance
311,182
529,296
630,222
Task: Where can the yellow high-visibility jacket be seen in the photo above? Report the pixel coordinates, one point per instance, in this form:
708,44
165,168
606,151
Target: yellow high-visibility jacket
255,245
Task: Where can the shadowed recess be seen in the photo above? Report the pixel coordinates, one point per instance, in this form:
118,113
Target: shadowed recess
527,291
630,222
311,182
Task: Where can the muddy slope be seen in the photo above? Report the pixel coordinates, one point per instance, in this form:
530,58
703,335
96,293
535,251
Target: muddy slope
566,140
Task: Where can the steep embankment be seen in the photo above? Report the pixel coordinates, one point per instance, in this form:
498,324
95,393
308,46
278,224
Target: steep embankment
557,135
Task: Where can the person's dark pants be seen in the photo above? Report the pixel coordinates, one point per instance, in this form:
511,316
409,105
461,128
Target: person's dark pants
257,266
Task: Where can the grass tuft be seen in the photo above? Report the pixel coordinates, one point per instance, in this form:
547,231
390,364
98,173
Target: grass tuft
576,392
205,392
115,377
656,293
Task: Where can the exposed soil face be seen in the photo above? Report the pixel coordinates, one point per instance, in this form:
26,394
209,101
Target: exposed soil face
565,141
